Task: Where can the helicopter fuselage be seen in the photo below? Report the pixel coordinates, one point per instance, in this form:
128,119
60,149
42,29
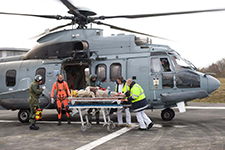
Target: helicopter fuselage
166,78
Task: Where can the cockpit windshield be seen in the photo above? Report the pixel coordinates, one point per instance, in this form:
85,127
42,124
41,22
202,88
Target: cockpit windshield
181,63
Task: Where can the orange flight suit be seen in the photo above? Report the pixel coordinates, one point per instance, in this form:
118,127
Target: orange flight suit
61,97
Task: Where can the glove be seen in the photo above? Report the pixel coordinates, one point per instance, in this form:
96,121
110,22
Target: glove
44,87
127,93
52,100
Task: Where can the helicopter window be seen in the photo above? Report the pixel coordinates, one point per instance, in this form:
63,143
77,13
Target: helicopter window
187,79
100,71
42,72
155,65
165,64
11,78
115,71
179,63
167,80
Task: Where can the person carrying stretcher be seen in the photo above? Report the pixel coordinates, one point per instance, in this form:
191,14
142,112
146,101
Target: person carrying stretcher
93,82
62,92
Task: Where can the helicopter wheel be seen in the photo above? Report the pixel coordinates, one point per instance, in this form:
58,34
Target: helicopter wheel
24,115
167,114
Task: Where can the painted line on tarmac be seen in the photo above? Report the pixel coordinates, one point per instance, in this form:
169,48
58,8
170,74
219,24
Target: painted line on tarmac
104,139
197,107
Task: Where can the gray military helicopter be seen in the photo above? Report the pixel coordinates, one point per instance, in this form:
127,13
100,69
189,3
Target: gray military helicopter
165,76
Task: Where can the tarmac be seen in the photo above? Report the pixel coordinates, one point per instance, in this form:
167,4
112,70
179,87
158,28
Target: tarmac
202,127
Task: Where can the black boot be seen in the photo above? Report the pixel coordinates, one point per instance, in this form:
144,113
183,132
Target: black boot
68,121
33,127
59,122
150,125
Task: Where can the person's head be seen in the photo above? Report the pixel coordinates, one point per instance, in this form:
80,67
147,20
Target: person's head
38,78
93,77
119,80
60,78
129,81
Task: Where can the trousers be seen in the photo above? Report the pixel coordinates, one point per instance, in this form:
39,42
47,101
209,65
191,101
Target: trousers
33,106
59,106
143,119
120,116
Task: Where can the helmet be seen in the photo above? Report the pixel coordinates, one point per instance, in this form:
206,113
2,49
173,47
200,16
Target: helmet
38,78
93,76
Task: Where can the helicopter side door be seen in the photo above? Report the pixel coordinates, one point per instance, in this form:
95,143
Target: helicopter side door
161,77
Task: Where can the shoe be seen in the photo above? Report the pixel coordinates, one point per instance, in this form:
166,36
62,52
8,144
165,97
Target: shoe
59,122
150,125
142,129
33,127
119,125
97,122
129,125
68,121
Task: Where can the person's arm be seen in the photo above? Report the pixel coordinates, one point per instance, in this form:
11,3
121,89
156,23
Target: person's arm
135,94
53,90
37,90
67,89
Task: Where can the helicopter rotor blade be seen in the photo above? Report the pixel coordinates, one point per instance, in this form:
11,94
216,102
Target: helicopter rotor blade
58,17
53,29
128,30
158,14
72,9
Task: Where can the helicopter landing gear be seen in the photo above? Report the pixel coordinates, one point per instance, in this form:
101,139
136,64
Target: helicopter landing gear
167,114
24,115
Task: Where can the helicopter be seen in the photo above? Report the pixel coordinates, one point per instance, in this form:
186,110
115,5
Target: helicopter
167,79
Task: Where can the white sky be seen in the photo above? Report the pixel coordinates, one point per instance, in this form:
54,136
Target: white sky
199,37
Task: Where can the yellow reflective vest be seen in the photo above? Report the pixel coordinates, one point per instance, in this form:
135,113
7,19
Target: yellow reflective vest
137,93
125,88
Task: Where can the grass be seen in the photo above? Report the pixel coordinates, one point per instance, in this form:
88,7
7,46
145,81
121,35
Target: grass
217,96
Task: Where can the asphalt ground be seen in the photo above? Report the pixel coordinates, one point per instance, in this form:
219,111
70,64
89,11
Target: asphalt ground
200,128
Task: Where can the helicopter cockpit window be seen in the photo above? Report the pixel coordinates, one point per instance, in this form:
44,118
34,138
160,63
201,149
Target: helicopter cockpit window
42,72
115,71
187,79
180,64
165,64
155,65
11,78
100,71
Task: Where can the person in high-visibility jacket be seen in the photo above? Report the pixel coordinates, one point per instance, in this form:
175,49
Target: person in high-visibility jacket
62,92
122,87
139,104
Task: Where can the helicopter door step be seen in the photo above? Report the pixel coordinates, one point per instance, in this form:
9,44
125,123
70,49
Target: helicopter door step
181,107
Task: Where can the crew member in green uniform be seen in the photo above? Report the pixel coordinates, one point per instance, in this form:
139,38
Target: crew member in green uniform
35,91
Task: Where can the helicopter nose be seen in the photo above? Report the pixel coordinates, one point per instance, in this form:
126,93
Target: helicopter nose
213,84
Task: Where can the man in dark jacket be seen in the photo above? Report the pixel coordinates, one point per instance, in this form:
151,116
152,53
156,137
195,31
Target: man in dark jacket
139,104
93,82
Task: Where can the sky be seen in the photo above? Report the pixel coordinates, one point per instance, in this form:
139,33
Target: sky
199,38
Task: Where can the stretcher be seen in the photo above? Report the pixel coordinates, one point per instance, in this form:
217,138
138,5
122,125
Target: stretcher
103,104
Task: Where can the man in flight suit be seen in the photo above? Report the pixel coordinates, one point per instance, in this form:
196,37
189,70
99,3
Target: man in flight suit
62,91
35,91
